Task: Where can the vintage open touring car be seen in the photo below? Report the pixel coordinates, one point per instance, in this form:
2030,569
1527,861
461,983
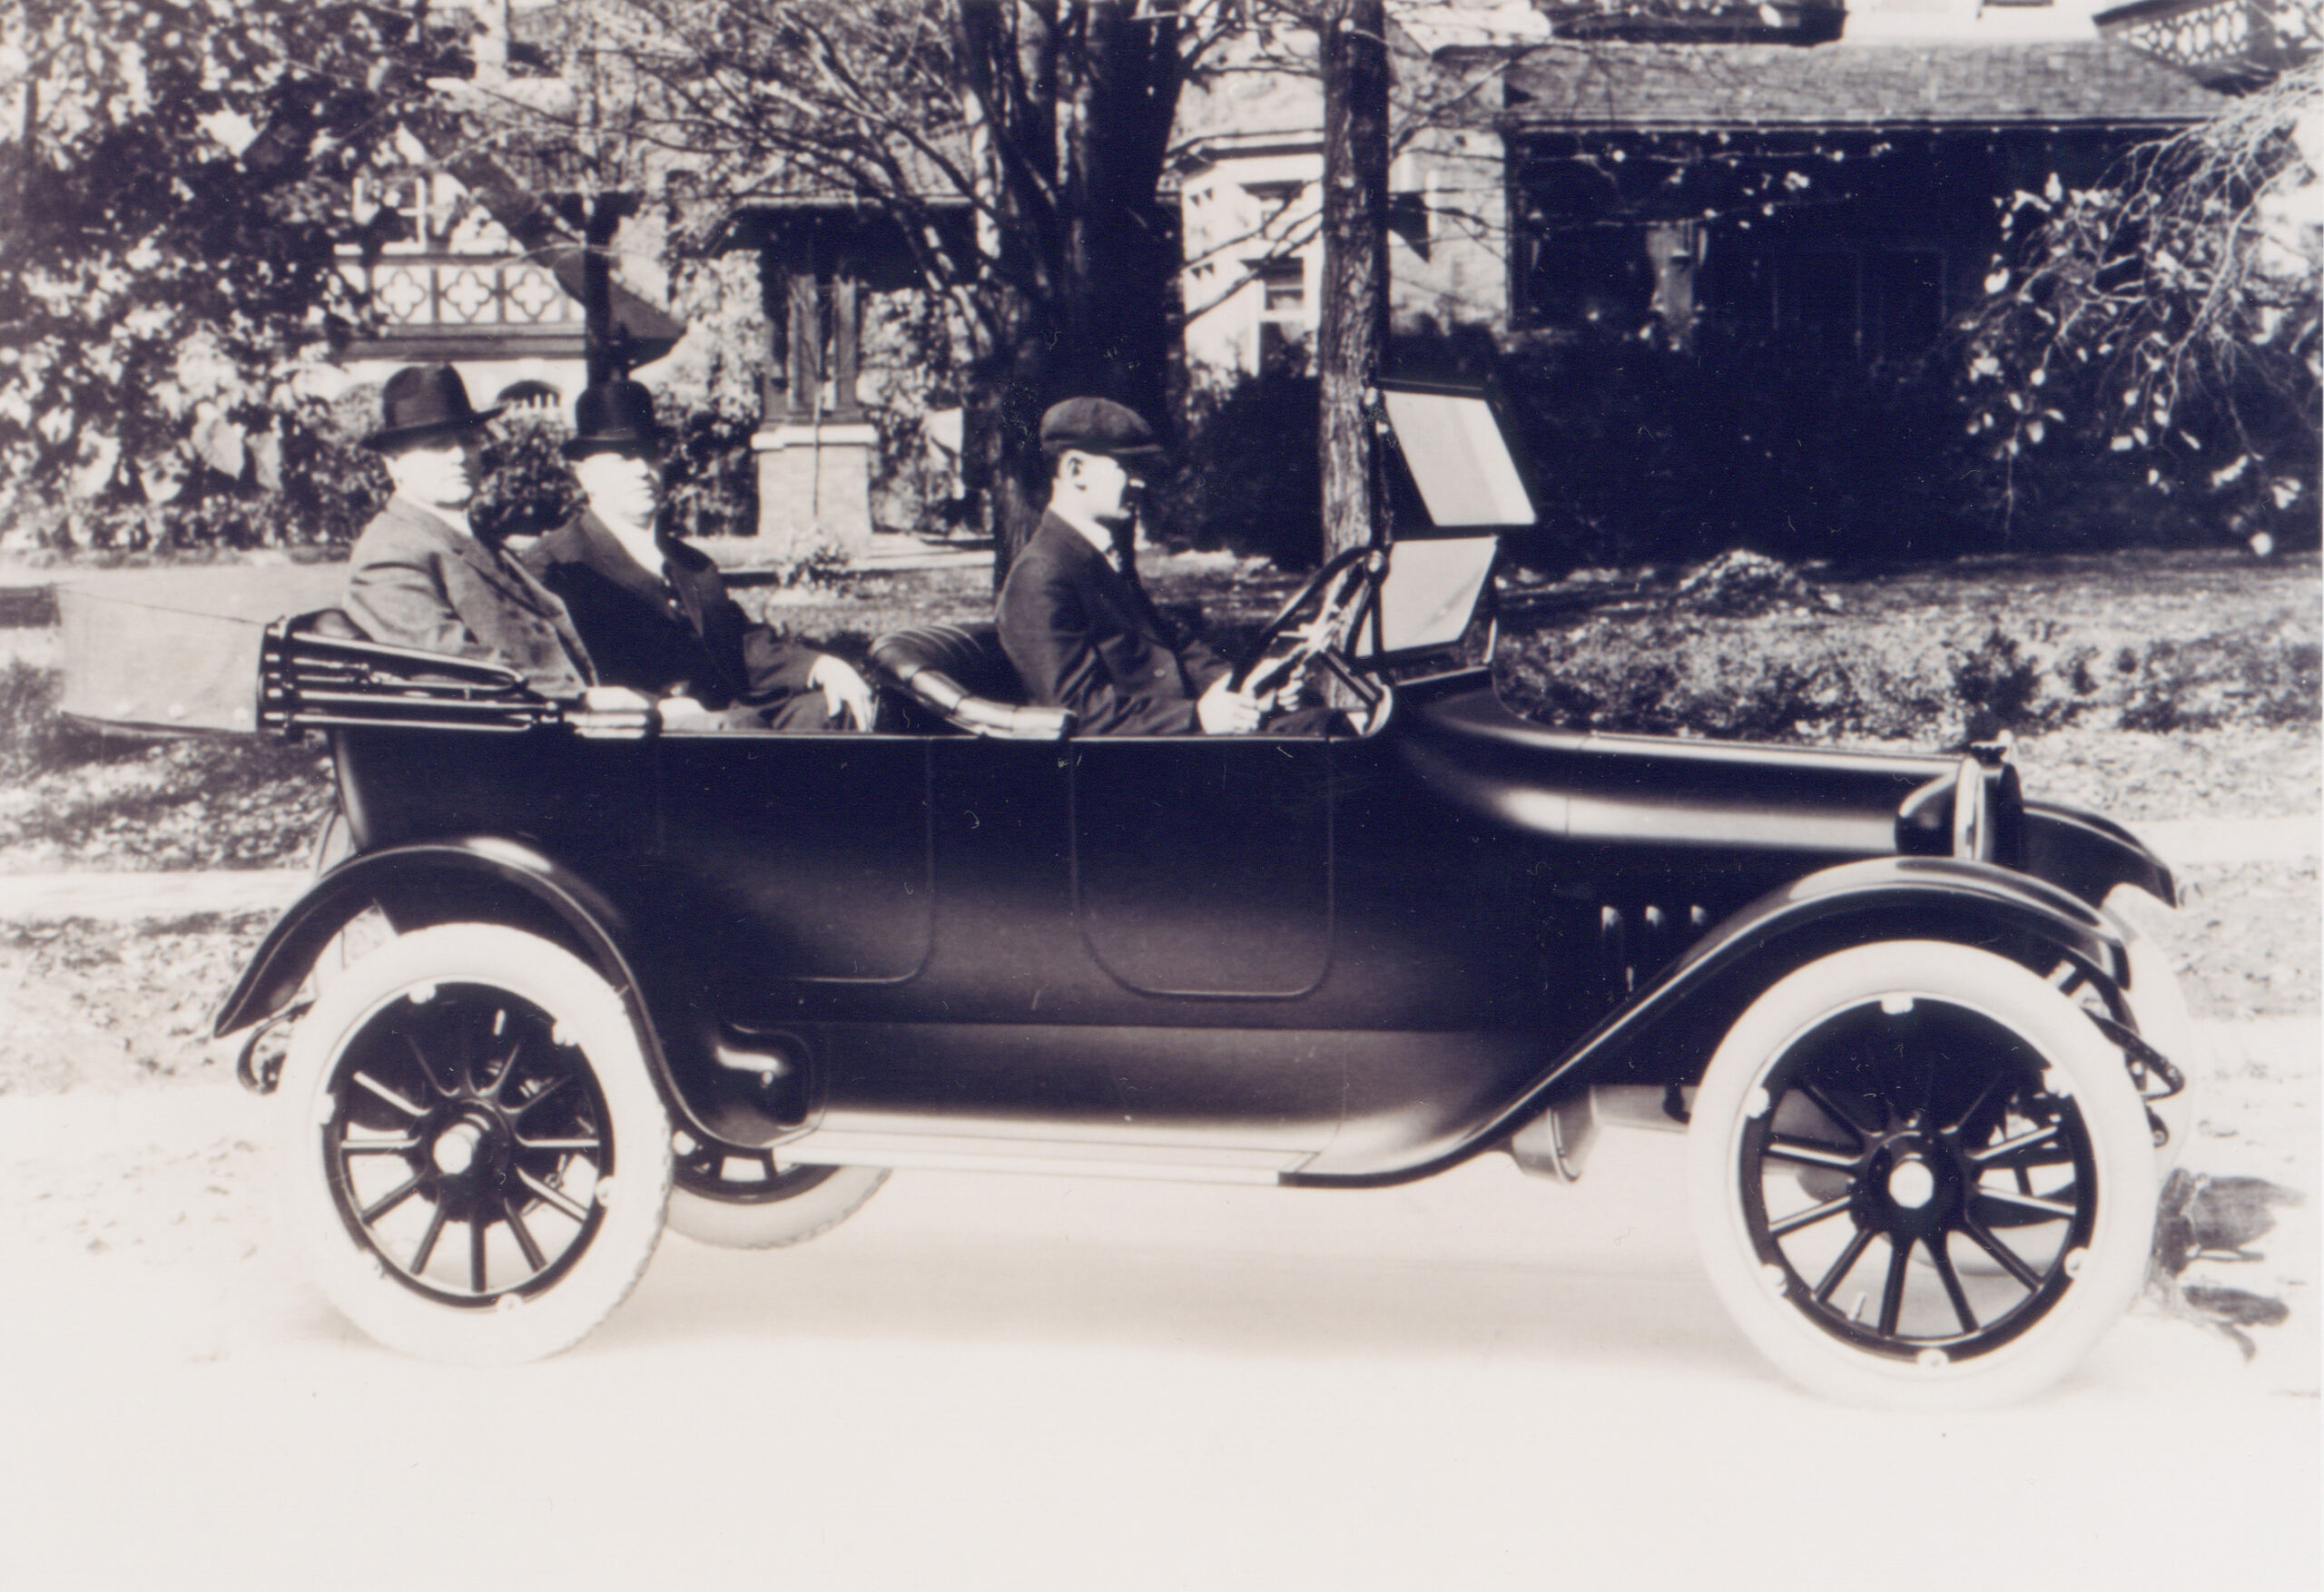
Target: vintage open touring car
609,969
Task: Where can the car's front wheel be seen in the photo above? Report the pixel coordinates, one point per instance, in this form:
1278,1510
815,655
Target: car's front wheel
1920,1178
475,1159
737,1197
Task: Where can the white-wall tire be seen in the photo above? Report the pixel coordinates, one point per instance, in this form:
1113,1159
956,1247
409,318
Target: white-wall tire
735,1198
1928,1099
502,1079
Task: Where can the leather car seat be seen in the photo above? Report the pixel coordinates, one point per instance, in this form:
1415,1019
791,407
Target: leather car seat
959,673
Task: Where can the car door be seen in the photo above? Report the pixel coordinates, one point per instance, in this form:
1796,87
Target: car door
802,861
1202,864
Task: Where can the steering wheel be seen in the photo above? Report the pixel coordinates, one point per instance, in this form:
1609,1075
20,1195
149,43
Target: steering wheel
1310,619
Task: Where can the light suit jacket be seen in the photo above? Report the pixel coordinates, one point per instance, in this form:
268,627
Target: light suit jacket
414,579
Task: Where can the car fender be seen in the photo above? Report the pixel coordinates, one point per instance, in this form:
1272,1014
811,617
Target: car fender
1666,1032
492,878
2091,856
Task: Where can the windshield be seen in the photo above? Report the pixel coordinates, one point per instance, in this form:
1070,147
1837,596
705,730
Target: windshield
1458,458
1429,593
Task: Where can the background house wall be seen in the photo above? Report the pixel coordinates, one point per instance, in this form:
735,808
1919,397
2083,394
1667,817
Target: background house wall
1250,203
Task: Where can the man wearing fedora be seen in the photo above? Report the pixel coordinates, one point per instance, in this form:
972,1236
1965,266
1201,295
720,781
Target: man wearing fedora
420,579
1073,620
655,612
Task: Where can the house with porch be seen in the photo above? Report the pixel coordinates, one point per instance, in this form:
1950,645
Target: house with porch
1828,172
462,264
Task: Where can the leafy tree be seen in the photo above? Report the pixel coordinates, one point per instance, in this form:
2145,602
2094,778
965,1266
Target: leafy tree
1013,147
2171,314
171,177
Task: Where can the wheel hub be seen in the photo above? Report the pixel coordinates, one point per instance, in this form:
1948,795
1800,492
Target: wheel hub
1911,1184
455,1147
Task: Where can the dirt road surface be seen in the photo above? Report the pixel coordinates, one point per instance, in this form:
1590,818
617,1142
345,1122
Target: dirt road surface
989,1381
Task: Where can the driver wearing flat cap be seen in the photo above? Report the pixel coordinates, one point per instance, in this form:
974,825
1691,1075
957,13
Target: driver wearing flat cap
1073,620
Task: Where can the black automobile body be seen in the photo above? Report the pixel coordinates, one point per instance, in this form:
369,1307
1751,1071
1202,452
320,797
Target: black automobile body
974,939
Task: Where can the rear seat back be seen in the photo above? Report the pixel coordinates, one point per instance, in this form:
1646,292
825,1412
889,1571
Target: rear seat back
959,674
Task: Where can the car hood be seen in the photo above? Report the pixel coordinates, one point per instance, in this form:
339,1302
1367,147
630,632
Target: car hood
1655,791
1818,805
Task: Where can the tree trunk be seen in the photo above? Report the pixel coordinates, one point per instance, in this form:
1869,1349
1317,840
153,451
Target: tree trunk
1009,55
1072,102
1352,338
1119,261
1001,417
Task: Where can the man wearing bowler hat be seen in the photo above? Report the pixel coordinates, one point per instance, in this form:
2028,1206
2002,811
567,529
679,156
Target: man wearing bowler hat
1076,623
655,612
418,577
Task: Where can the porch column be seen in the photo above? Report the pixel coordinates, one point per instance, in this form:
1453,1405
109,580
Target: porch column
814,456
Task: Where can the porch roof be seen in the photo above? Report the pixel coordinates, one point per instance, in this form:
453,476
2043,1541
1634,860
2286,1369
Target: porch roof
2091,82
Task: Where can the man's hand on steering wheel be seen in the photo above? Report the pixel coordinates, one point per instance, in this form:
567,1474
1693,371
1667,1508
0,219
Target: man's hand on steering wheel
1281,651
1225,711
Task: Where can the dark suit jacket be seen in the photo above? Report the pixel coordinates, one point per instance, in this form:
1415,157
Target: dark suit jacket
1083,636
672,634
414,579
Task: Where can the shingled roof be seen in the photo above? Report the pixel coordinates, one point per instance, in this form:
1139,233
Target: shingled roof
2081,83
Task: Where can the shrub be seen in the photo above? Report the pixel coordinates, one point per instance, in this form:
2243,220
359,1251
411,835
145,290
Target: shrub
2263,676
712,480
530,489
1640,452
309,482
1249,478
28,723
712,488
1996,682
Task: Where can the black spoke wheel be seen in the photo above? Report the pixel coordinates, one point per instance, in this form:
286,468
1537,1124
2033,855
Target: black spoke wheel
1869,1159
467,1146
1921,1176
735,1196
479,1159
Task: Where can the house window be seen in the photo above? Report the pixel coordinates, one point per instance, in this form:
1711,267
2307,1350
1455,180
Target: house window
1275,196
1589,275
1286,293
1282,308
1408,221
531,397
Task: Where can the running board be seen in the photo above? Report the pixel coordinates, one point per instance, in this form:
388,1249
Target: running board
931,1153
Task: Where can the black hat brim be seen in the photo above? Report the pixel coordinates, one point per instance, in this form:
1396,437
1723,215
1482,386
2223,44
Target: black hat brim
397,436
582,447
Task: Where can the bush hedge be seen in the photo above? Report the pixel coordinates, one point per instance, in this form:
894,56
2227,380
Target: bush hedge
1640,453
1868,673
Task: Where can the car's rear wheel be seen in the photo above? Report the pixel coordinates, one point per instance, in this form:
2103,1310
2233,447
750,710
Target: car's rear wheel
1920,1178
475,1159
737,1197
